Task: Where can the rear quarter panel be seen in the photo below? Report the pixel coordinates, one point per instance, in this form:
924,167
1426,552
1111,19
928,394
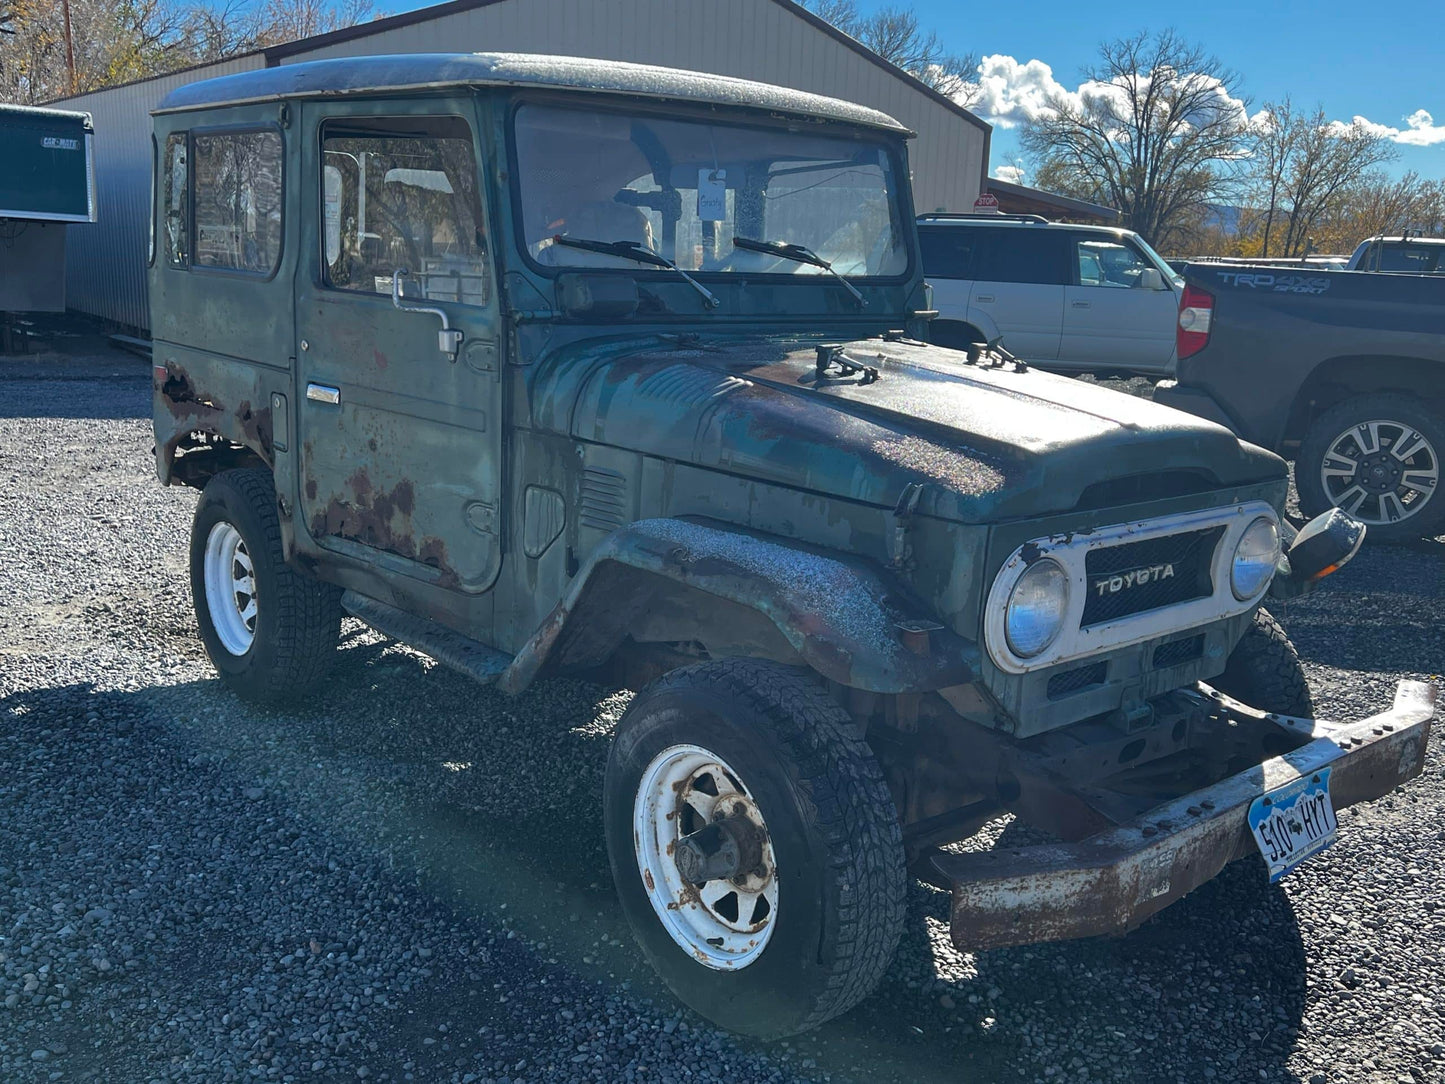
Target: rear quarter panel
1273,328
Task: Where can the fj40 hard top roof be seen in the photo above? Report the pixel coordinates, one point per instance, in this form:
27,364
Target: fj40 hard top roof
426,71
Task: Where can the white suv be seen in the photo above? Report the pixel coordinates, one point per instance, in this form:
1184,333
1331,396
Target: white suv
1077,298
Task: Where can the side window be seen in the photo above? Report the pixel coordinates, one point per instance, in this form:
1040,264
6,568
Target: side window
402,193
1025,254
948,251
1108,263
238,200
175,195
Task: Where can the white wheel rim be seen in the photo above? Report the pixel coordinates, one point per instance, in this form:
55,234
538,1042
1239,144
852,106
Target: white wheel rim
230,580
1380,471
725,924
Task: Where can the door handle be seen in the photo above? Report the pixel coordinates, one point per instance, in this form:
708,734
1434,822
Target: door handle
984,297
1082,304
323,393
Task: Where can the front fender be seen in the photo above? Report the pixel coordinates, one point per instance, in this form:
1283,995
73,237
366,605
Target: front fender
846,619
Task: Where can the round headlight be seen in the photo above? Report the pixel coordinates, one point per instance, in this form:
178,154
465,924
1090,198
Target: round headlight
1254,559
1036,607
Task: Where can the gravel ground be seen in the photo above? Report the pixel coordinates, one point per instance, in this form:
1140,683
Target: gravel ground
407,881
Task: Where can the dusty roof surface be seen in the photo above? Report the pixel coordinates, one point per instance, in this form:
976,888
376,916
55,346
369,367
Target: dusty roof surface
418,71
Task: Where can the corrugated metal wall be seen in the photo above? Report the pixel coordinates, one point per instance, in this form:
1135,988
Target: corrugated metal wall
105,261
752,39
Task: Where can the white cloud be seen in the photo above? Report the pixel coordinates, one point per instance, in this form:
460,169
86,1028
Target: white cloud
1009,174
1008,92
1420,129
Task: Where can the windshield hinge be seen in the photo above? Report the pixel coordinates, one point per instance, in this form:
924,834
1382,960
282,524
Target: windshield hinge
832,361
903,513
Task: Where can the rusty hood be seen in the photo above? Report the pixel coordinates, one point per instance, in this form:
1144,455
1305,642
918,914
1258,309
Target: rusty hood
989,443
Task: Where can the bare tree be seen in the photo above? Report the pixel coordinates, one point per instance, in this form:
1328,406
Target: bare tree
289,20
218,31
1304,164
895,34
1156,131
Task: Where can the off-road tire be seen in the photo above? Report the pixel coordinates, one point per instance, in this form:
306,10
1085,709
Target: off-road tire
1265,672
298,618
1429,521
842,880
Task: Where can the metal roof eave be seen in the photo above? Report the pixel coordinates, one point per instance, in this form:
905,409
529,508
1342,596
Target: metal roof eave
409,72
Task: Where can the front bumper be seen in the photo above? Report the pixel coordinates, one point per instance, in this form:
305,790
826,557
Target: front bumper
1112,881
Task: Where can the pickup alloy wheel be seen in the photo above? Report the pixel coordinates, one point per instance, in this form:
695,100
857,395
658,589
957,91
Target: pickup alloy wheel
1378,458
755,845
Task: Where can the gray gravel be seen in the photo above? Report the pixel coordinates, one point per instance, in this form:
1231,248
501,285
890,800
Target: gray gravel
407,881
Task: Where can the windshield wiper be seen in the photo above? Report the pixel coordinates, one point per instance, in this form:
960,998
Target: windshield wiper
799,254
634,250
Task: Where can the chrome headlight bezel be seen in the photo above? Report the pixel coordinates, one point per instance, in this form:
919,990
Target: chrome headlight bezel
1047,583
1250,572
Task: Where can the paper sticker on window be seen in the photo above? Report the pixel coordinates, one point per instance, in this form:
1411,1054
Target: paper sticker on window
712,195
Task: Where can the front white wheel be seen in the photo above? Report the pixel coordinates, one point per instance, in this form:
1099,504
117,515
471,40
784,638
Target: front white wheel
705,857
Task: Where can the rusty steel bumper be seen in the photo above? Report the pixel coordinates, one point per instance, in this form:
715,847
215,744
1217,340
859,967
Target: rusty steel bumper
1112,881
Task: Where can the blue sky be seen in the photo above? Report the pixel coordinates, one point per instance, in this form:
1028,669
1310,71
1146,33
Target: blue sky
1383,61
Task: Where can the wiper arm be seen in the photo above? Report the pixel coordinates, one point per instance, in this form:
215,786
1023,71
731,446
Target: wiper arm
799,254
634,250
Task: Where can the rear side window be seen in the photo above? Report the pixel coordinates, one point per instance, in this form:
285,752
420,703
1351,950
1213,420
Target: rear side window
238,200
1036,256
175,202
948,252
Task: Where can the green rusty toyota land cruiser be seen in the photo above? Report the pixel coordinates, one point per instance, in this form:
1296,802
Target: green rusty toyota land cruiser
546,365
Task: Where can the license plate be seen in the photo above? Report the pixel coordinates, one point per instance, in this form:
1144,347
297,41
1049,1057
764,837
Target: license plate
1293,822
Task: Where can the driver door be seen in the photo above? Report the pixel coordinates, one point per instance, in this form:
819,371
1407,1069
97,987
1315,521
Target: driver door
400,439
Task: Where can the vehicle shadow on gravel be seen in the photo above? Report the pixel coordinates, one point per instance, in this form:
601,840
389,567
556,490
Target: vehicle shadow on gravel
1107,1009
491,808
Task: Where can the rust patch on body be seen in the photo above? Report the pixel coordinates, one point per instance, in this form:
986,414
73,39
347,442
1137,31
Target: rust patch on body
256,425
381,519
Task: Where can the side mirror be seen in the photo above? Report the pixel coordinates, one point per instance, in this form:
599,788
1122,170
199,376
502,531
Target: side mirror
1324,545
1150,279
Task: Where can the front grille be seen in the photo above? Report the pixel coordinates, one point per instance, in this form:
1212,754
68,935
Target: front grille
1178,652
1134,577
1071,681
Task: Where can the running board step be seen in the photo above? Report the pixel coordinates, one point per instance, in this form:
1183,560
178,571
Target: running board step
451,649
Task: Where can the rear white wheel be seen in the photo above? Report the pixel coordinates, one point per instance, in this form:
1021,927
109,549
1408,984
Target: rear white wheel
230,579
270,629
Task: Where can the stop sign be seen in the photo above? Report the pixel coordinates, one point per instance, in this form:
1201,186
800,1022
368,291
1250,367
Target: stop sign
986,204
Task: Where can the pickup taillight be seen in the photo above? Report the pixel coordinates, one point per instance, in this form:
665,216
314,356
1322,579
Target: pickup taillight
1196,313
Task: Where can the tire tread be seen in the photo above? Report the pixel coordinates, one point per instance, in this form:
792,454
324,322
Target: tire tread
854,812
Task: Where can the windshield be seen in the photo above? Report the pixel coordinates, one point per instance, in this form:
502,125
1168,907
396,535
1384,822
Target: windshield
684,189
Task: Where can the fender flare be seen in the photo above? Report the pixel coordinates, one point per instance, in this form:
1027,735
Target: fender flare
845,618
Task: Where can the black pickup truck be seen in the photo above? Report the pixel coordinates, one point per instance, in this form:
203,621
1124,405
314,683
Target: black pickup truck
1339,370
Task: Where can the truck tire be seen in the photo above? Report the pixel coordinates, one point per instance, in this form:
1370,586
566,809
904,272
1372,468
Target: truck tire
1265,672
803,921
270,630
1348,458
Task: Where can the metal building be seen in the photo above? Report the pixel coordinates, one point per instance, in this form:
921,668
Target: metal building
774,41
